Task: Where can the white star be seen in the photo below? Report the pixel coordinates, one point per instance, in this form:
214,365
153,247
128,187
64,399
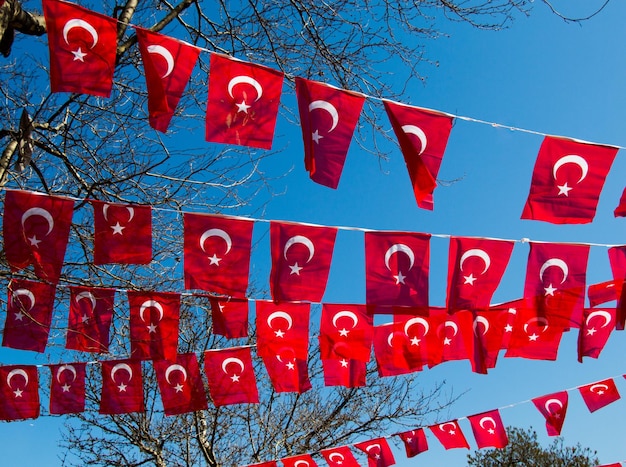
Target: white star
66,388
447,341
533,337
221,307
564,189
84,319
600,392
550,290
343,332
452,432
344,363
122,387
243,107
415,341
316,137
469,279
152,328
279,333
179,387
214,260
235,378
491,431
291,366
591,331
295,269
79,55
34,242
19,316
117,229
508,328
399,278
409,440
18,393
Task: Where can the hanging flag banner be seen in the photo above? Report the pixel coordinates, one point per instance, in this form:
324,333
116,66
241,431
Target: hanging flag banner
67,388
89,323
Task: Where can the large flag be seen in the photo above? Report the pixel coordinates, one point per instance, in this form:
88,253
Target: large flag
83,47
340,456
617,258
167,64
304,460
67,388
396,268
231,376
424,346
122,233
378,452
595,331
534,337
287,373
36,231
217,253
282,327
122,387
301,257
328,117
346,331
414,442
19,392
489,430
89,323
29,315
180,384
344,372
230,317
553,407
567,180
243,102
599,394
423,136
450,435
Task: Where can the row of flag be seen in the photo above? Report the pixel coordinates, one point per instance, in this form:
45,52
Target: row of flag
243,101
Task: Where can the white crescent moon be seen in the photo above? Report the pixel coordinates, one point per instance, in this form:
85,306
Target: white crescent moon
482,254
417,320
279,314
172,368
600,385
336,455
481,320
328,107
347,314
79,23
443,426
89,296
38,212
216,233
390,339
301,462
396,248
375,445
17,371
166,54
539,319
487,419
417,131
304,241
550,402
245,80
121,366
105,212
572,159
453,325
150,304
559,263
605,314
230,360
63,368
26,293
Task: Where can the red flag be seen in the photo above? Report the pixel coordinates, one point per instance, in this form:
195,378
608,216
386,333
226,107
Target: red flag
67,388
475,268
346,331
617,257
391,351
122,233
180,384
599,394
489,329
489,430
509,314
301,256
378,452
620,210
452,332
344,372
595,331
414,442
328,117
230,317
396,268
304,460
554,408
19,392
91,313
287,373
450,435
154,325
423,136
534,337
339,457
122,388
424,345
231,376
36,230
29,314
567,180
602,293
168,64
243,102
217,253
83,46
282,327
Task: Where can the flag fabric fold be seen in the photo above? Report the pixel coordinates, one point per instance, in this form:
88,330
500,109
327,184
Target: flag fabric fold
553,407
346,332
414,442
231,376
90,316
180,384
595,331
282,327
230,317
67,388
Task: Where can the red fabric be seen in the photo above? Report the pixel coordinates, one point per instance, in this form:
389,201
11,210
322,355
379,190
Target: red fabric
617,257
328,117
167,64
414,442
282,327
180,384
122,387
391,349
243,102
67,388
217,253
602,293
301,257
396,268
534,337
36,230
450,435
19,392
508,311
475,269
344,372
567,180
339,457
378,452
304,460
488,330
230,317
287,373
29,314
453,332
91,313
231,376
424,345
122,233
489,430
83,47
553,407
154,320
346,331
620,210
599,394
423,136
595,331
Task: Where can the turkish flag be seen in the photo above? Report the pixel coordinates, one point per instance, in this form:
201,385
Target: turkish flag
231,376
346,331
29,315
167,64
595,331
378,452
91,313
450,435
339,457
243,102
217,253
122,387
617,258
122,233
599,394
83,47
230,317
19,392
424,345
344,372
555,282
553,407
534,337
488,329
67,388
287,373
423,136
391,351
475,269
328,117
36,230
489,430
282,327
396,268
180,384
453,332
567,180
301,257
507,314
602,293
620,210
154,320
414,442
296,461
